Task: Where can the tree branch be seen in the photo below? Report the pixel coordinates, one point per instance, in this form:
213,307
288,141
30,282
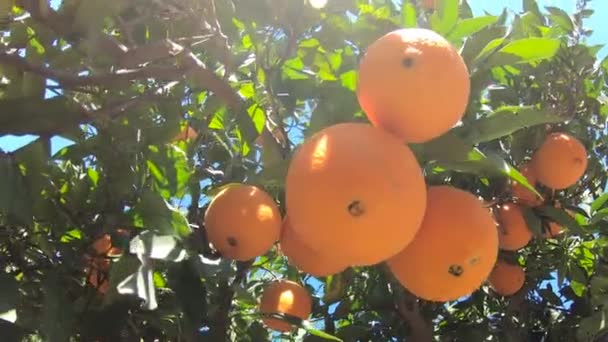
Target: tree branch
221,319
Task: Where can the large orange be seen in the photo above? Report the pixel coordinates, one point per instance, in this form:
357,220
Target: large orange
454,250
242,222
285,297
506,279
513,231
413,83
560,161
523,195
356,193
303,257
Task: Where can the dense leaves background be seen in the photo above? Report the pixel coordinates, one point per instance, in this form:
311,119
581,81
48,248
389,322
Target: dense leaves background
254,77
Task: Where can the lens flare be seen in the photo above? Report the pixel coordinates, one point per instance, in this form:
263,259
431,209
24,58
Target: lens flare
318,4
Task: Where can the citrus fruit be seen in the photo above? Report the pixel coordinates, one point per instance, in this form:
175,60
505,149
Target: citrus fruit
413,83
506,279
97,270
523,195
454,250
427,4
242,222
284,297
560,161
355,192
102,245
303,257
554,228
513,232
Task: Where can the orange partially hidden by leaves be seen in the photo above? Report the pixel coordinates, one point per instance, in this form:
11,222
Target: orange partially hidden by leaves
427,4
242,222
454,250
554,228
560,161
303,257
106,247
523,195
285,297
97,271
506,279
413,83
186,134
513,231
356,193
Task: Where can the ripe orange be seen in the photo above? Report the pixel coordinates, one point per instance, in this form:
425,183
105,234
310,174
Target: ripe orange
523,195
513,232
242,222
506,279
356,193
427,4
413,83
97,270
560,161
102,245
303,257
285,297
555,228
454,250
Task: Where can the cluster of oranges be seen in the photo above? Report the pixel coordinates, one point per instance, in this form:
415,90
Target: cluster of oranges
356,195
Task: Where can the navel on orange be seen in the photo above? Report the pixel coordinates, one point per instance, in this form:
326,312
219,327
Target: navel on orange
285,297
454,250
513,231
560,161
413,83
356,193
303,257
242,222
506,279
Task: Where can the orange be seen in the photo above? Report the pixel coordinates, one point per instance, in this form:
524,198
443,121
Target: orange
186,134
506,279
454,250
413,83
555,228
303,257
98,274
242,222
285,297
513,232
104,245
560,161
427,4
523,195
356,193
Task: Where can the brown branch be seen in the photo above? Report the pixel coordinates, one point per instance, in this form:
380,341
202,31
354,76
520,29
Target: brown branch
221,320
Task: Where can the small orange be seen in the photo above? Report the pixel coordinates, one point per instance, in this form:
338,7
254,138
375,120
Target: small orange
413,83
285,297
428,4
555,228
303,257
506,279
454,250
97,270
560,161
242,222
513,231
523,195
102,245
355,192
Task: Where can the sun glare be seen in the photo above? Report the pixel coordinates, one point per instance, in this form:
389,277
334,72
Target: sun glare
318,4
285,301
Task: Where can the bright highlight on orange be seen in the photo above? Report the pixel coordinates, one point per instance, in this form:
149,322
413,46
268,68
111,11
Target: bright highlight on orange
318,4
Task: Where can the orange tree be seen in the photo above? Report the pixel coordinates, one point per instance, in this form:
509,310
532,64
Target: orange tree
169,102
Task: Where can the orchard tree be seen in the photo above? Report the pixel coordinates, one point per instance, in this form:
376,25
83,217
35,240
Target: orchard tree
197,127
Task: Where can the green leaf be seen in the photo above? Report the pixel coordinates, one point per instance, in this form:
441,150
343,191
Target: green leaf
560,17
14,200
446,148
599,202
445,16
592,326
319,333
408,14
349,80
506,121
27,115
532,6
533,222
561,217
155,213
475,44
9,292
524,51
598,216
57,312
468,27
